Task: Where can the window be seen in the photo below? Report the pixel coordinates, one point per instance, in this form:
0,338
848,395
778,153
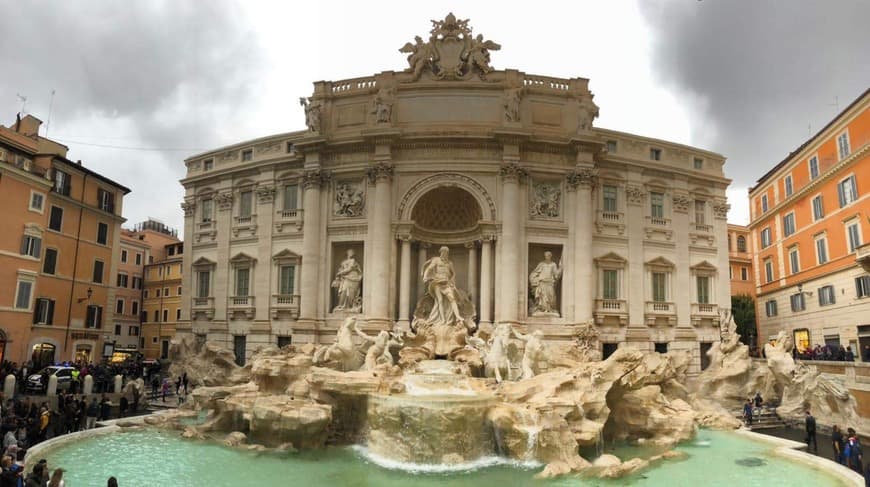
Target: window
854,232
177,314
203,282
801,339
102,233
134,308
31,245
283,341
768,270
821,250
49,264
165,315
247,155
657,205
788,224
157,293
133,331
124,256
730,272
843,145
770,308
847,191
98,272
789,188
609,194
763,202
22,294
814,167
291,192
171,250
797,302
137,283
862,286
703,283
145,294
117,329
205,213
122,280
94,317
765,238
700,211
138,259
610,284
744,274
699,163
239,348
659,290
156,316
826,295
208,164
106,200
242,281
818,208
286,277
661,347
178,291
246,199
794,261
43,313
655,154
166,292
61,182
119,306
290,148
741,243
37,200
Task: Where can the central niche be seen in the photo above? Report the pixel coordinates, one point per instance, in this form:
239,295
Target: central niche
446,209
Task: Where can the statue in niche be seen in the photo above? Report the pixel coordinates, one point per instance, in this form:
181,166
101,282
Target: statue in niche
379,348
312,113
342,354
349,200
543,283
535,353
382,105
445,314
347,281
511,104
545,200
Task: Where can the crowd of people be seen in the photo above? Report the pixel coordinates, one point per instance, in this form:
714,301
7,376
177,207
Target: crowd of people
103,373
837,353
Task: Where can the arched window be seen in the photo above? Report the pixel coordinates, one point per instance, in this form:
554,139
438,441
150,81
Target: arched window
741,243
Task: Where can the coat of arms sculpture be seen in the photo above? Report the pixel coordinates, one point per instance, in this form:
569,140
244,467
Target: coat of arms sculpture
452,51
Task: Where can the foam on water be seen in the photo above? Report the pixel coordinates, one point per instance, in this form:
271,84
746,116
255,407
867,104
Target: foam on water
478,464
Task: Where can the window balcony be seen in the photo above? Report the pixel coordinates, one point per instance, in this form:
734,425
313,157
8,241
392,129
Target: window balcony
610,219
702,312
240,304
660,313
700,227
658,221
862,256
288,218
284,304
658,226
203,306
611,311
246,225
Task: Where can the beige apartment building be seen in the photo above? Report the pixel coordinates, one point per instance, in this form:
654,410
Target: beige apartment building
162,291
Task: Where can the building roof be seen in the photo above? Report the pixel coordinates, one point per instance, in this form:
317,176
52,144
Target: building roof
80,167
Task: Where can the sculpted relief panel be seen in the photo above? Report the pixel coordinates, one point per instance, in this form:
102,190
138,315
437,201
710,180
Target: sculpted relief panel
545,201
349,199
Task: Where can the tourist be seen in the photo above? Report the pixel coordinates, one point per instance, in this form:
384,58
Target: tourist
837,443
9,439
165,388
10,474
758,402
850,357
93,412
853,453
56,478
155,384
867,353
35,477
184,382
123,404
113,482
810,423
105,408
747,412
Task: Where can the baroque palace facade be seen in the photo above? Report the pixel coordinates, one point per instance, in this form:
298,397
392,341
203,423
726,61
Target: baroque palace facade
549,222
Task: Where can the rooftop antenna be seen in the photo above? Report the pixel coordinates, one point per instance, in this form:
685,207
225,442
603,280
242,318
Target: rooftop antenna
23,100
836,103
48,122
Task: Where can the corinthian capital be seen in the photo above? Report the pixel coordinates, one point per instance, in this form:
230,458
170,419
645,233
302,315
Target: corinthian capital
512,171
315,178
380,171
583,177
189,208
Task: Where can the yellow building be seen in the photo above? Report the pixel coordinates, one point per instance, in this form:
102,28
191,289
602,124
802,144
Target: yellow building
161,308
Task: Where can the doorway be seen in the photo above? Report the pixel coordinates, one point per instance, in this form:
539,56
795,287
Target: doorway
43,355
83,354
608,349
239,345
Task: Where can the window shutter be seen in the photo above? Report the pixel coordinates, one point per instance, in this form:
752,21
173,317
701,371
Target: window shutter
99,317
36,311
854,184
50,319
841,195
24,245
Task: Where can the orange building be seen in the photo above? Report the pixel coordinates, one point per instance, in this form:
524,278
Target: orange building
740,261
809,214
133,253
61,224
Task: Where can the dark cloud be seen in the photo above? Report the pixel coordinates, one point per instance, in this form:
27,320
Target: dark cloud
763,74
170,73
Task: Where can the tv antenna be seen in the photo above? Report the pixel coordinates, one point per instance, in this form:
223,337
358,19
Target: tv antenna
836,103
23,100
48,122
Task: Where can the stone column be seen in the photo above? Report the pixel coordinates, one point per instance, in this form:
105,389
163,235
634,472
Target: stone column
381,174
509,286
582,179
422,256
472,271
486,282
405,284
311,245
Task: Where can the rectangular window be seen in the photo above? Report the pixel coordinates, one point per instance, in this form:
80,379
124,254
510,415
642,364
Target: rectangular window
61,182
137,283
102,233
31,246
22,295
788,225
43,313
157,293
203,282
247,155
699,163
770,308
205,213
55,219
797,302
826,295
157,316
138,259
609,284
177,314
242,281
208,164
178,291
49,264
814,167
703,289
854,231
145,294
818,208
847,191
98,272
123,280
134,308
117,329
246,199
124,256
106,200
655,154
657,205
765,238
843,145
286,277
700,211
133,331
165,315
741,243
821,250
291,195
94,317
744,274
36,201
794,261
862,286
239,347
611,146
768,270
789,189
609,194
166,292
659,291
119,306
763,202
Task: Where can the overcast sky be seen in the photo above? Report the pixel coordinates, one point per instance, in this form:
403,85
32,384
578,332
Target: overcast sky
140,85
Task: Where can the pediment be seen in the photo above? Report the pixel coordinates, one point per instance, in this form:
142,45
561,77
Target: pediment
704,266
660,262
242,258
286,255
203,262
611,258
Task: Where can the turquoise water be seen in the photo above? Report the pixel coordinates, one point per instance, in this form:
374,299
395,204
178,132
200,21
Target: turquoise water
157,458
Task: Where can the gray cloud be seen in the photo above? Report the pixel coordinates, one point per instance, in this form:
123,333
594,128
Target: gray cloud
172,73
760,71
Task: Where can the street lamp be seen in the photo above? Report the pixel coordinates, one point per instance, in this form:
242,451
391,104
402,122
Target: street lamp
90,292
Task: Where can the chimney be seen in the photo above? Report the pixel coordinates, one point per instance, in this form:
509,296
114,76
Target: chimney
28,126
